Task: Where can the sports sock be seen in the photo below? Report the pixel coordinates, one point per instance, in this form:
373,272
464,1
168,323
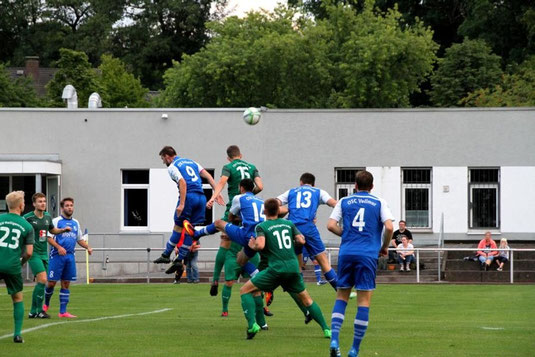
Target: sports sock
360,325
337,320
183,251
208,230
18,317
259,311
315,311
317,272
219,262
250,269
330,276
37,298
48,295
225,296
299,304
171,243
64,295
249,309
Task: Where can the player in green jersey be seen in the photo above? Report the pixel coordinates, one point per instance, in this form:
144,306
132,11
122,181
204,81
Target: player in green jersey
42,224
232,173
275,239
16,242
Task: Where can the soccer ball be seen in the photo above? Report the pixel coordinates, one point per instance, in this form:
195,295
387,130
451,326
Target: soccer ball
252,115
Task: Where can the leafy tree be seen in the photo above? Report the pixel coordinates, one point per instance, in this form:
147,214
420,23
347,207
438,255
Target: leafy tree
118,87
466,67
18,92
75,69
515,90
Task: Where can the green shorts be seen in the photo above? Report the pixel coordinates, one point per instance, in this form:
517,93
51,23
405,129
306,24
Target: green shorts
233,270
225,215
269,280
13,282
38,264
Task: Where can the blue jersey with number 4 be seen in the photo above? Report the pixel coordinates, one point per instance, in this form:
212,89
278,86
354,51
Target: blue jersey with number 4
362,216
188,170
303,202
250,208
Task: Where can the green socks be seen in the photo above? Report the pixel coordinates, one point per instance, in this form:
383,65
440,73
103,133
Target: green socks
37,298
225,297
249,309
317,315
259,311
298,302
18,316
219,262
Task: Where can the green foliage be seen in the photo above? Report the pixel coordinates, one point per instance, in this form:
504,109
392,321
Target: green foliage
466,67
118,87
346,60
16,93
75,69
515,90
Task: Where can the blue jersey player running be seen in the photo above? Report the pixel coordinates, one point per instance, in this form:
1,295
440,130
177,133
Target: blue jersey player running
303,202
190,207
359,219
62,265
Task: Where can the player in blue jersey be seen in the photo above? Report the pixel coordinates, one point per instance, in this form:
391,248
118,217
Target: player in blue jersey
359,219
303,202
62,265
190,207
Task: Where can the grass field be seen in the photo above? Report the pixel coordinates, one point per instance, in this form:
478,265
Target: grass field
408,320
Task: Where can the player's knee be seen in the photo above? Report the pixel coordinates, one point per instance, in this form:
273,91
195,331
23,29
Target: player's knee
229,283
17,297
220,224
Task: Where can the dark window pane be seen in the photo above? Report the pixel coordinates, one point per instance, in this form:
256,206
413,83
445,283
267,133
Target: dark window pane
416,176
484,207
208,211
211,172
26,184
483,175
342,192
346,175
135,207
136,176
417,207
4,190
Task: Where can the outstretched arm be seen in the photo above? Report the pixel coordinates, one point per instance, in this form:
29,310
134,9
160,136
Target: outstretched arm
333,226
259,185
216,195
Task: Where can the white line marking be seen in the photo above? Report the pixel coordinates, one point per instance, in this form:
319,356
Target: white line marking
492,328
88,320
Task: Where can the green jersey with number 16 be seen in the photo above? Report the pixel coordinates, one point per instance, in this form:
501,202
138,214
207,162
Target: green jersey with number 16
15,233
279,248
236,171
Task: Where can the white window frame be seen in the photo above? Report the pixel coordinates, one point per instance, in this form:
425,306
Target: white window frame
476,185
137,186
350,186
428,186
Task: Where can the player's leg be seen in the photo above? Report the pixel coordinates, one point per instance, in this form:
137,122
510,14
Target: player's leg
219,262
38,268
345,282
55,270
316,249
14,288
232,271
69,274
249,308
317,272
314,311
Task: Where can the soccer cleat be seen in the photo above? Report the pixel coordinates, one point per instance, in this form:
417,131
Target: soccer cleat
253,331
188,227
162,260
265,327
18,339
32,316
224,314
353,295
67,315
335,352
321,282
327,333
213,288
267,312
45,308
308,318
353,352
43,315
269,297
177,267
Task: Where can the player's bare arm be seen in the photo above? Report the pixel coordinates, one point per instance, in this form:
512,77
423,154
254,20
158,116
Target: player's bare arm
217,190
332,226
259,185
26,253
52,242
182,189
211,181
257,243
83,244
60,230
387,237
299,239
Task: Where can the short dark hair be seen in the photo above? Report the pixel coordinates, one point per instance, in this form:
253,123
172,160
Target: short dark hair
401,220
364,180
167,150
308,179
62,202
233,151
247,184
271,207
37,195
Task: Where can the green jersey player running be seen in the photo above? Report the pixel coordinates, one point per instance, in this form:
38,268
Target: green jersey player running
232,173
275,239
41,222
16,242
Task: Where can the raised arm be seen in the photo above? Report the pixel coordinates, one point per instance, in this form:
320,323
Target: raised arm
259,185
217,190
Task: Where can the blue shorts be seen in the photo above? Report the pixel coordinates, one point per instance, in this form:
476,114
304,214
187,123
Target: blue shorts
356,271
62,267
313,243
194,209
241,236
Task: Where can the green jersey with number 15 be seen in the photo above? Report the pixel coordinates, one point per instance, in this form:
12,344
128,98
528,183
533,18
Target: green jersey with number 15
279,248
236,171
15,233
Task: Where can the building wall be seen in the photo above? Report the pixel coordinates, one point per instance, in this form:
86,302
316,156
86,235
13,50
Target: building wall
94,145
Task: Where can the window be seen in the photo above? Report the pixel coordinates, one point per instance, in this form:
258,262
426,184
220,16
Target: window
135,199
208,191
416,197
345,181
16,183
484,198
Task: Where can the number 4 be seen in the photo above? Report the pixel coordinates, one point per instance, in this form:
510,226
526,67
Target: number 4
358,221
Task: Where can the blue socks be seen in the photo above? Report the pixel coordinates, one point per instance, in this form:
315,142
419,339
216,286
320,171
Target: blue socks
337,319
171,243
250,269
64,295
360,326
317,271
183,251
48,295
331,277
208,230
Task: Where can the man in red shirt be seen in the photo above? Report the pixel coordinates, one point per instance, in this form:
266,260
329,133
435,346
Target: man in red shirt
486,251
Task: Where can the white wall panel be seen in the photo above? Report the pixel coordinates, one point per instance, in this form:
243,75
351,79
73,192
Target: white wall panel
517,199
163,195
387,185
454,203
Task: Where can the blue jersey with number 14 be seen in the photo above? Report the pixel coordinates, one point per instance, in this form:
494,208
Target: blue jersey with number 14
251,209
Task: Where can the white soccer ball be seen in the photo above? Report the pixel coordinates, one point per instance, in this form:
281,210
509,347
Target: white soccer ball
252,115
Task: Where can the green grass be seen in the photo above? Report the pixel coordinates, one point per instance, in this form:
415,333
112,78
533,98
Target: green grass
408,320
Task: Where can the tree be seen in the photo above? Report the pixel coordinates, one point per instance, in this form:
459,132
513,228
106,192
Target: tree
118,87
16,93
466,67
75,69
515,90
346,60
